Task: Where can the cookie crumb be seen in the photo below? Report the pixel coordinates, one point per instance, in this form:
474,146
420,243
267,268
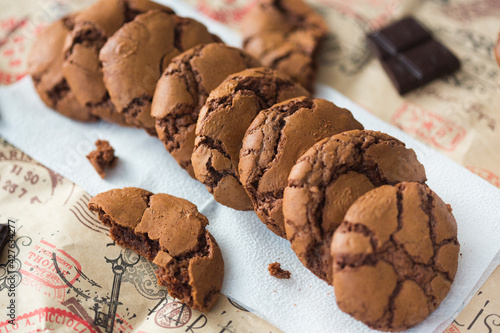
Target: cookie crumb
102,157
276,271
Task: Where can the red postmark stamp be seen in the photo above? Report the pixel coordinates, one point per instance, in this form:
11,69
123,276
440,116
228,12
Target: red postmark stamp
39,270
13,47
486,175
429,127
122,325
228,11
451,329
173,315
51,319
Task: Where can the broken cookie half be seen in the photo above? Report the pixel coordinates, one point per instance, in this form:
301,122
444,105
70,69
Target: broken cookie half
170,232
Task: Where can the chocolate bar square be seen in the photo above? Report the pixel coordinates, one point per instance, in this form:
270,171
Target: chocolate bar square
4,236
410,56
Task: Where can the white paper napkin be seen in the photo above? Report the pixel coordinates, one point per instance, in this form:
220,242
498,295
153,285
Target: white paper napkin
301,304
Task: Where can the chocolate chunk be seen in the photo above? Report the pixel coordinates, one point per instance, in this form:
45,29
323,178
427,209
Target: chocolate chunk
398,37
278,272
4,236
410,56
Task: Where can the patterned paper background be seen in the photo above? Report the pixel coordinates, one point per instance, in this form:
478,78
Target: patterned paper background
457,115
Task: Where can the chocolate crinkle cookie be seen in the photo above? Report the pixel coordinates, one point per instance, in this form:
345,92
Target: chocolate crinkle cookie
277,137
395,256
326,181
45,61
171,233
285,35
222,124
135,56
82,67
183,89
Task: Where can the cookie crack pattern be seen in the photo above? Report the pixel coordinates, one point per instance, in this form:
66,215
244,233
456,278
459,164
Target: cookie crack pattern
58,92
215,176
359,164
266,201
280,113
198,87
431,281
397,245
429,209
274,63
212,143
132,110
184,115
266,89
88,34
178,32
276,116
279,123
176,123
105,101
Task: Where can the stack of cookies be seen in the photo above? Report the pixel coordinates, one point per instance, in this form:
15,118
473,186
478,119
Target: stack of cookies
352,202
104,61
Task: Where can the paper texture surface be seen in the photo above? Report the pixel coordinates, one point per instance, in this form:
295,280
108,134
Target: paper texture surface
482,313
301,304
60,271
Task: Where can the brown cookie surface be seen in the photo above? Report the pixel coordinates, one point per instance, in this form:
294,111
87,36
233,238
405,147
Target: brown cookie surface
183,89
170,232
45,66
82,68
222,124
395,256
285,35
135,56
277,137
329,177
122,210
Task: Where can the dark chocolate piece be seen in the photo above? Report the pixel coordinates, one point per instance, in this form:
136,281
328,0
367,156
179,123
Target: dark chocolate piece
4,236
410,56
398,37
